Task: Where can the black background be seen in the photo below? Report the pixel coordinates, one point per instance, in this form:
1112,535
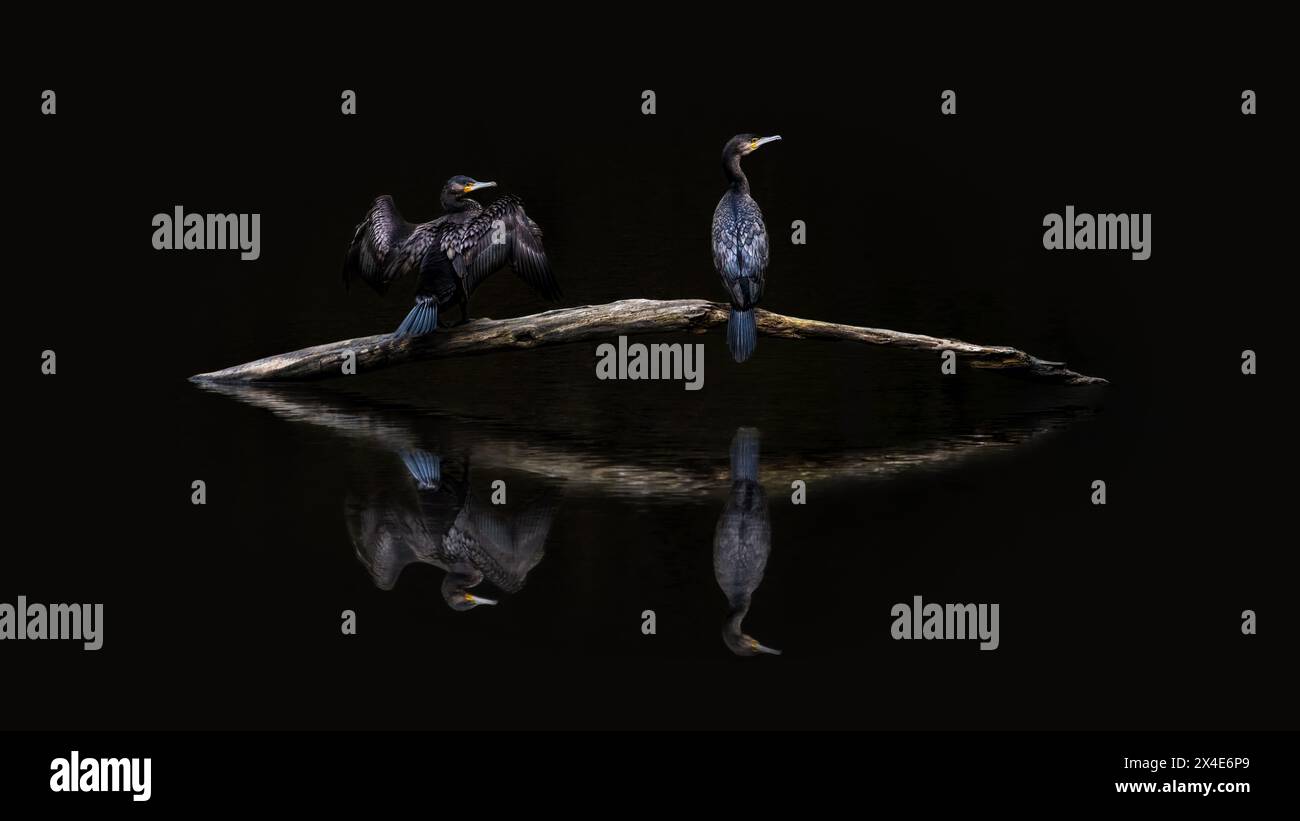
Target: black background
1125,616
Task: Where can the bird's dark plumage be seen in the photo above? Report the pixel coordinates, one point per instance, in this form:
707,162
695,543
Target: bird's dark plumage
451,528
740,248
497,235
451,255
742,543
376,239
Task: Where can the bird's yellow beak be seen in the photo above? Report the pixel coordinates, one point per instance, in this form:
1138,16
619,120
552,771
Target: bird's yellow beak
474,186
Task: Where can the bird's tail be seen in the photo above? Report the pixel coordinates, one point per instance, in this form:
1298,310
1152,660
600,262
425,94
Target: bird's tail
742,334
744,455
424,467
422,319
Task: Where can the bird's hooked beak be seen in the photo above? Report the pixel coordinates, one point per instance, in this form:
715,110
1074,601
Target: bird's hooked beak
762,141
470,597
474,186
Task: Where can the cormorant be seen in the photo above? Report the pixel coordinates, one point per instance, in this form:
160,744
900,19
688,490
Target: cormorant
740,246
452,254
452,530
742,542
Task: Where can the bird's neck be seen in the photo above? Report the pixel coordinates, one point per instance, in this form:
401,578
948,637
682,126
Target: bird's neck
454,203
732,631
731,167
736,616
459,579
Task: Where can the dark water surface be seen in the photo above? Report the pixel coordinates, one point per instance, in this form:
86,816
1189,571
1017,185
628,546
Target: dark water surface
965,488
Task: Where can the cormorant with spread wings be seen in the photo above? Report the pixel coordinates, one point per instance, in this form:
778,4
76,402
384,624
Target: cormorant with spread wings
452,254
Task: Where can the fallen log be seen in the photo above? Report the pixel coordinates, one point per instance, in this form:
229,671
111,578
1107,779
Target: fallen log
602,322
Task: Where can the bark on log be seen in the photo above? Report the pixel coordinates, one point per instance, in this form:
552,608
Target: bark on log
602,322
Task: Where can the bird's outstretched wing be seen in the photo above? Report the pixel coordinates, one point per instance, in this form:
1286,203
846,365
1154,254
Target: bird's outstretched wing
386,539
375,243
498,235
511,545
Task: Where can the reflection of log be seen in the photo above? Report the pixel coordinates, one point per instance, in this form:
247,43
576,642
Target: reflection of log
615,475
602,322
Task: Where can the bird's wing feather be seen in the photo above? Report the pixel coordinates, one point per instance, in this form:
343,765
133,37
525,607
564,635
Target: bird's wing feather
376,238
516,542
386,539
740,248
742,540
500,234
410,255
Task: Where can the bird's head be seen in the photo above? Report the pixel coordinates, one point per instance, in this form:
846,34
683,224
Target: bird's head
455,594
736,639
744,144
453,197
460,185
743,644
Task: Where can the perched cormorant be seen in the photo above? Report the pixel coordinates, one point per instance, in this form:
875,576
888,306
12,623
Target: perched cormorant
740,246
452,530
452,254
742,542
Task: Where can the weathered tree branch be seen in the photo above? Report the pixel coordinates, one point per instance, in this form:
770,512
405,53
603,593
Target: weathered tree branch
628,316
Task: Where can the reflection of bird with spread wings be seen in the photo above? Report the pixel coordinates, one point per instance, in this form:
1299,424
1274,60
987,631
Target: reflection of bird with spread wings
453,529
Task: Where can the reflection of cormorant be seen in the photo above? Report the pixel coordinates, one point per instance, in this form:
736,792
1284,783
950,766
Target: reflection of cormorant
740,246
453,530
452,254
742,542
